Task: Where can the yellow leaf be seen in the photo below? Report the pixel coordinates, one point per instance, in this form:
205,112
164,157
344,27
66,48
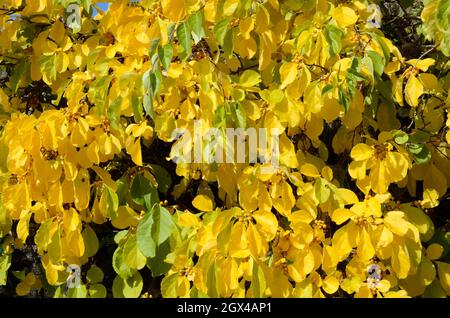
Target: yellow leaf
357,169
341,215
330,284
344,16
434,251
361,152
384,285
351,285
246,26
239,241
229,7
249,78
395,221
174,9
309,170
365,249
124,218
256,245
203,203
288,156
134,150
71,220
23,225
188,219
348,196
444,276
327,173
422,65
266,223
22,289
400,260
106,177
430,199
90,241
288,74
413,90
429,81
75,243
342,241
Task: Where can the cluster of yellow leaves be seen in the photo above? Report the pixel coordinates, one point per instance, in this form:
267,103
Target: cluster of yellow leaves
327,221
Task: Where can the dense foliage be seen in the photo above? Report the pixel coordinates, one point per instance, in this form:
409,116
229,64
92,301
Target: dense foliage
357,207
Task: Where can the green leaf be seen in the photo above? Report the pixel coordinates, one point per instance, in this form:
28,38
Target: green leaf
353,71
5,263
258,285
421,220
442,237
155,82
147,102
195,22
334,35
384,87
143,192
86,4
343,99
443,12
144,237
211,280
97,291
132,254
98,91
383,46
94,274
367,62
162,224
423,156
228,43
414,148
327,88
153,46
114,112
169,286
120,236
20,275
77,292
171,30
21,69
219,117
128,288
239,115
165,54
420,136
163,178
220,29
434,290
321,191
48,66
119,265
112,200
147,99
156,264
377,61
153,230
400,137
184,39
91,244
137,106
